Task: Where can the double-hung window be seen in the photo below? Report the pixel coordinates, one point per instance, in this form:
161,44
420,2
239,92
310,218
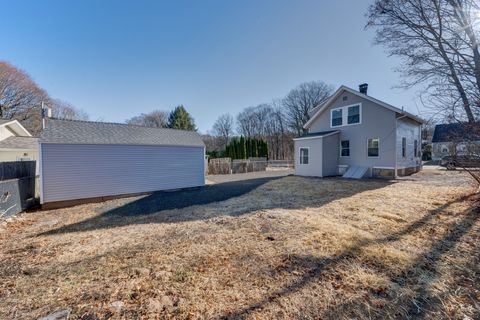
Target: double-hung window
353,114
303,155
347,115
345,148
373,147
337,118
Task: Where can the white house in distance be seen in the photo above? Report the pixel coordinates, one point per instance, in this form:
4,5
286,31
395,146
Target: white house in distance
455,139
355,135
83,161
16,143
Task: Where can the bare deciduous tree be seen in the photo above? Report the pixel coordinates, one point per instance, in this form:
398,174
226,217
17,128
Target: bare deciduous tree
156,118
223,128
64,110
267,122
301,100
21,99
18,91
438,46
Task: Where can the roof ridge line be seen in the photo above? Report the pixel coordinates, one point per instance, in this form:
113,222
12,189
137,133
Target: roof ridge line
121,124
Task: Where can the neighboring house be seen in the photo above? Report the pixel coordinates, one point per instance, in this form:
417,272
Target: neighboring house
16,143
355,135
453,138
84,160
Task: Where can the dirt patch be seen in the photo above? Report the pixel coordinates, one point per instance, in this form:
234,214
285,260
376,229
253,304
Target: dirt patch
286,248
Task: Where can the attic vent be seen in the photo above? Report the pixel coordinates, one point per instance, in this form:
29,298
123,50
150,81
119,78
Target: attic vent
345,98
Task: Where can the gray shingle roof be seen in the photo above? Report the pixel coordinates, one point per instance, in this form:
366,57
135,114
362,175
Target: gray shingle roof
19,143
456,132
87,132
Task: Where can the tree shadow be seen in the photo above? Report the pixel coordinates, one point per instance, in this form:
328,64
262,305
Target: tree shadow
159,207
314,267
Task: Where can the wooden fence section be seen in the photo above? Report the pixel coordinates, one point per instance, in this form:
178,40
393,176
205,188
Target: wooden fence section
219,166
16,169
249,165
280,163
227,166
17,187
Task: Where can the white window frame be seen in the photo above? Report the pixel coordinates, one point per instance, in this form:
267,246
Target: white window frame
378,148
345,115
342,148
331,118
300,155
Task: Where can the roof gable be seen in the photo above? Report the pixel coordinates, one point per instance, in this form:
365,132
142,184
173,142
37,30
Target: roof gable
15,127
322,107
88,132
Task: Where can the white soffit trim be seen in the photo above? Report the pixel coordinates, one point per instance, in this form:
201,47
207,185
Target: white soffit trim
17,127
340,90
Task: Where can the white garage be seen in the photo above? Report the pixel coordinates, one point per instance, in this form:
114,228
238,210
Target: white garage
81,160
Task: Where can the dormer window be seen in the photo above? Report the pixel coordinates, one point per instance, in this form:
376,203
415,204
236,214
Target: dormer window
348,115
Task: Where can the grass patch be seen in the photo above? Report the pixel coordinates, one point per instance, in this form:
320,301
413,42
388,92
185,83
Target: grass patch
289,248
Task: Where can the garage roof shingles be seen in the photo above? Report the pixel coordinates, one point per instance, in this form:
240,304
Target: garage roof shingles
88,132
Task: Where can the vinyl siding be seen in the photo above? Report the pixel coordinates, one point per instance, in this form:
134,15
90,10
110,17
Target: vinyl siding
376,122
314,166
411,131
331,154
77,171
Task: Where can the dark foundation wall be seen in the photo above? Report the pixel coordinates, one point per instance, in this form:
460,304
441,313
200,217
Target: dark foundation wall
390,173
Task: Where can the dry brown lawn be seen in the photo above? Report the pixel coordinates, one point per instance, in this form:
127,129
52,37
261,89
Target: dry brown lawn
292,248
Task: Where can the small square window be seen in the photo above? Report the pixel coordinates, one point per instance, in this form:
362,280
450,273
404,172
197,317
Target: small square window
303,155
336,117
345,148
373,147
353,114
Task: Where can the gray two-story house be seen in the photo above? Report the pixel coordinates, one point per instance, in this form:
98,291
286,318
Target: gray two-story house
357,136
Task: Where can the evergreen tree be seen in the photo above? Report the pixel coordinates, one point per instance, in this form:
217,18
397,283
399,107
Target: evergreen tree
254,148
242,147
234,149
179,118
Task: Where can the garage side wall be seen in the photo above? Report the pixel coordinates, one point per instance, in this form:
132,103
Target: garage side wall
314,166
71,172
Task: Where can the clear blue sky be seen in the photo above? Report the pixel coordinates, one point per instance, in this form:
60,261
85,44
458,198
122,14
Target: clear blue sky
117,59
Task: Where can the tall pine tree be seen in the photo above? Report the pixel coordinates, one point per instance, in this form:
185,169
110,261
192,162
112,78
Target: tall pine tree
179,118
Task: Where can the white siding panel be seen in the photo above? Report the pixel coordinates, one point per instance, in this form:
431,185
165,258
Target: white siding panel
411,131
85,171
314,166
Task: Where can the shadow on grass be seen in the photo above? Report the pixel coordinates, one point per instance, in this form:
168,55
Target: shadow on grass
158,207
314,267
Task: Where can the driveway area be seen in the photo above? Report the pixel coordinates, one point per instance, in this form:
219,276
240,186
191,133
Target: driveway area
270,247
